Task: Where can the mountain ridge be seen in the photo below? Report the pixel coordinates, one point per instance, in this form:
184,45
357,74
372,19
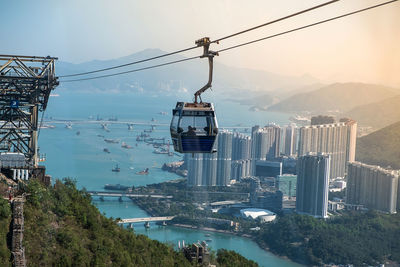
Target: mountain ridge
335,98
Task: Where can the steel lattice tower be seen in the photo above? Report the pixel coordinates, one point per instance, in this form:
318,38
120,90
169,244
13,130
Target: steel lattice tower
25,86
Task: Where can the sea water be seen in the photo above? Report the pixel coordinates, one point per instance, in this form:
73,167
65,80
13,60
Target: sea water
81,156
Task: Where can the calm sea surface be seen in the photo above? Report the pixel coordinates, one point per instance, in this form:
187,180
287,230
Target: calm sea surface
82,158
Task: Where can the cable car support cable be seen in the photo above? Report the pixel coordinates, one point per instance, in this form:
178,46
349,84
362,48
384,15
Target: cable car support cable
193,47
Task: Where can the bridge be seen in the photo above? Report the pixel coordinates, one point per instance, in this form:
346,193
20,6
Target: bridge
146,219
131,195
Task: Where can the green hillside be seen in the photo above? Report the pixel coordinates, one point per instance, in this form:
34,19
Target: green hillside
378,114
339,97
381,147
63,228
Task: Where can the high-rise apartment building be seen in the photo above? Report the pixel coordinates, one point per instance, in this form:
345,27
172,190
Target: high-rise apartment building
195,169
372,186
241,147
265,143
313,184
224,157
212,169
290,143
337,139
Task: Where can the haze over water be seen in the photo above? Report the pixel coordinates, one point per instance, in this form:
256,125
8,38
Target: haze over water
82,157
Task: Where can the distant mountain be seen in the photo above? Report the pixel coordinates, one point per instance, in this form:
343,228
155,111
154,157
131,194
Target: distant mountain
381,147
338,97
178,79
378,114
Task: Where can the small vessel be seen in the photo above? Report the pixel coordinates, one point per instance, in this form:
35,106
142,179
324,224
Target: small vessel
147,224
99,135
148,130
209,240
144,172
68,125
125,145
111,141
130,127
106,150
116,168
207,235
78,133
116,187
104,127
163,113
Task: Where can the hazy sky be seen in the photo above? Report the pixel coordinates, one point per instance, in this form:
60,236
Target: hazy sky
364,47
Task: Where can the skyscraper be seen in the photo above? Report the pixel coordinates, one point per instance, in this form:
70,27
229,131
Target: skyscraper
290,140
313,184
372,186
224,158
337,139
212,169
241,146
265,143
195,169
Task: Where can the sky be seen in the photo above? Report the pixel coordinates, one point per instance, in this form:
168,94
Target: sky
360,48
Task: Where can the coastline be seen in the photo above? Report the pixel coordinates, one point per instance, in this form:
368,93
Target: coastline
210,229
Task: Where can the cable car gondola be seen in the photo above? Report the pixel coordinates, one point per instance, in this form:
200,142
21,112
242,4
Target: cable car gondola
194,126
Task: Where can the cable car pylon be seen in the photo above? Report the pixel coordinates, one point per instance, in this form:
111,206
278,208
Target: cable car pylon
194,126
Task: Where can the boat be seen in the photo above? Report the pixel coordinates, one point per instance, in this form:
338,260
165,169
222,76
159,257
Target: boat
125,145
78,133
116,168
111,141
99,135
163,113
104,127
106,150
68,125
207,235
144,172
116,187
147,224
209,240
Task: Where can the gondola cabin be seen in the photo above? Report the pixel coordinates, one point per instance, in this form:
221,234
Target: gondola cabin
194,127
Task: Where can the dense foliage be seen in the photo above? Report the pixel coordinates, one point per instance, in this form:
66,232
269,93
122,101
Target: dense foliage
357,238
229,258
5,219
63,228
381,147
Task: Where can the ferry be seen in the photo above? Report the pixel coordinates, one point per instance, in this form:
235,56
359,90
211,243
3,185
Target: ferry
111,141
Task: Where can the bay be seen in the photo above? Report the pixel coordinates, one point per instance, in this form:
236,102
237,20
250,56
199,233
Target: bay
82,158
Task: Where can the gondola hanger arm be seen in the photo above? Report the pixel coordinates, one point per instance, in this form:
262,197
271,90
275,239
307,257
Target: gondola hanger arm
205,42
